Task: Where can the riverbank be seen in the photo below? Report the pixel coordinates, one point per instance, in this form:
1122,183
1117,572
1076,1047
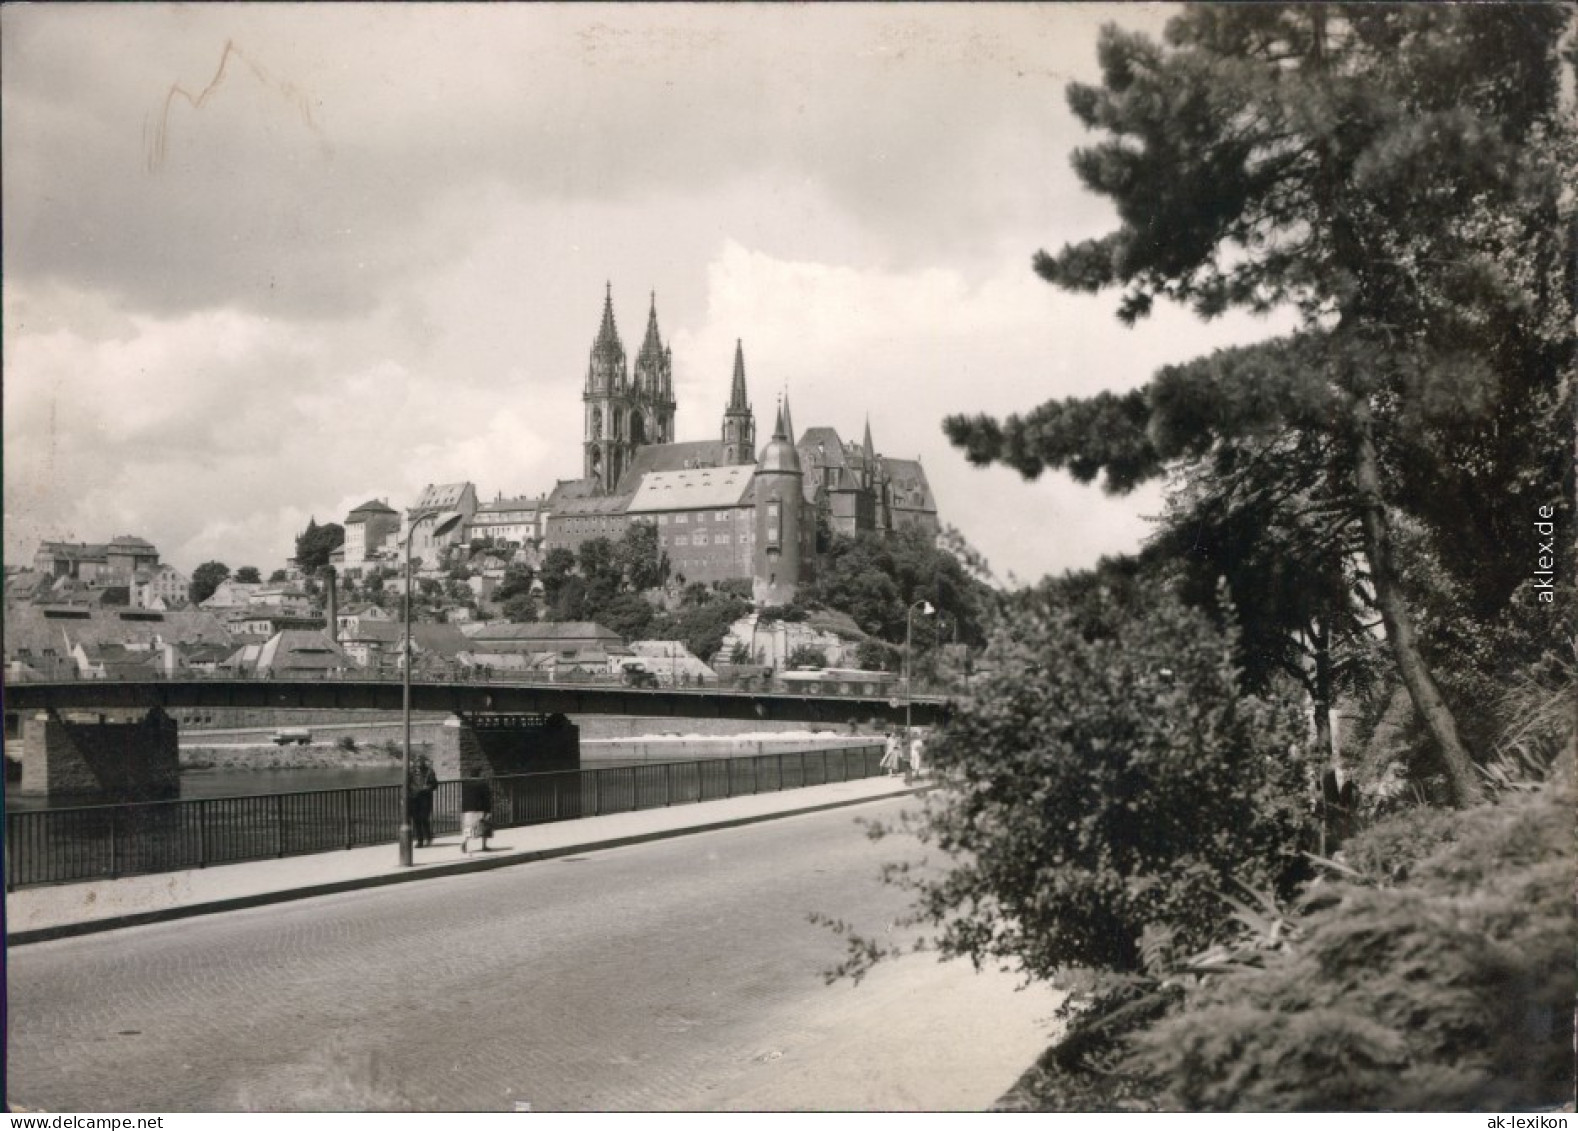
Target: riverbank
378,744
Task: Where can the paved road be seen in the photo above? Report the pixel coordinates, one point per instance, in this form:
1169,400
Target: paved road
679,975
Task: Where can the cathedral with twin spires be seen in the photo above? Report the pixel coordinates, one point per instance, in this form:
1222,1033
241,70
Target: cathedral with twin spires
723,510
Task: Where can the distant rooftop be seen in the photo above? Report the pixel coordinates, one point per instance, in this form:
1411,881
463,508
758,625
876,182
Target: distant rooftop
692,490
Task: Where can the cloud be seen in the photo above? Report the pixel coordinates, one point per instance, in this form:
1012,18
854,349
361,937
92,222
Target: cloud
910,348
300,162
264,262
226,425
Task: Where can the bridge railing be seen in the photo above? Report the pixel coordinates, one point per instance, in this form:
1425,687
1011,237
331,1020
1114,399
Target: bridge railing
48,846
469,676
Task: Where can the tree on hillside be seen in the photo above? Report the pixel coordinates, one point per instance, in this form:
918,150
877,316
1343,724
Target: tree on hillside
569,601
206,579
248,575
517,582
597,564
519,609
878,655
702,626
558,568
640,557
874,578
628,614
1393,173
316,543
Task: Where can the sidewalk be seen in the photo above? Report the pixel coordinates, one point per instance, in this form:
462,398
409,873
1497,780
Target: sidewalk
60,910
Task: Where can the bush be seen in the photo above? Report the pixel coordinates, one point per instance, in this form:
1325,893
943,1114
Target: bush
1111,782
346,742
701,628
806,656
1388,849
1452,992
878,655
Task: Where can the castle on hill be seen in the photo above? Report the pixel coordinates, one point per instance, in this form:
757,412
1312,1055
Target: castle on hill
723,508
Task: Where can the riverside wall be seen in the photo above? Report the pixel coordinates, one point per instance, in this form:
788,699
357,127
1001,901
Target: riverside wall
604,738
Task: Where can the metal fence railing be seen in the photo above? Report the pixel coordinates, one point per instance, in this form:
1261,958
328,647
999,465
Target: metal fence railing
47,846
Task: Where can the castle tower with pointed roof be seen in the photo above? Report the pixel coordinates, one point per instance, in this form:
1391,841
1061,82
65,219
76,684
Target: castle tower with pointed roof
780,555
625,412
739,426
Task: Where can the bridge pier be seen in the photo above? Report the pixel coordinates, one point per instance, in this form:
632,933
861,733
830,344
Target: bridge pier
91,758
500,745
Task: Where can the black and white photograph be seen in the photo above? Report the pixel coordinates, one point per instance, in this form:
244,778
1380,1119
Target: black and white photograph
789,558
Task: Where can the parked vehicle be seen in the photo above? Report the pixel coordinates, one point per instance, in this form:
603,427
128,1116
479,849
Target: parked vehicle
635,674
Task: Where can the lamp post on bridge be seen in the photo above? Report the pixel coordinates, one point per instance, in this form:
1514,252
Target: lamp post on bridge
443,525
927,610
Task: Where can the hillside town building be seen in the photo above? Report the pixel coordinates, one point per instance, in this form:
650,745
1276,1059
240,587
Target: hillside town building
115,562
370,533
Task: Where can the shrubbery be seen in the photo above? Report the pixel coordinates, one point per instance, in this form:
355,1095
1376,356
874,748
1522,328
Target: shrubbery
1116,795
1451,991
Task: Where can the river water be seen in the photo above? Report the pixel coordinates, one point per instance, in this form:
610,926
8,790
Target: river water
250,783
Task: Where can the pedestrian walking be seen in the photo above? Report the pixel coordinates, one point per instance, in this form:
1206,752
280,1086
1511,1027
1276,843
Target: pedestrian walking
890,757
476,809
917,747
424,784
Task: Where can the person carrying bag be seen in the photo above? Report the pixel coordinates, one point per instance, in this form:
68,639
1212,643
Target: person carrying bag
476,806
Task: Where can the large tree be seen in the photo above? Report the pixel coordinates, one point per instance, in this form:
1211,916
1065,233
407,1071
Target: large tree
206,579
640,557
316,543
703,622
1246,537
1395,174
875,578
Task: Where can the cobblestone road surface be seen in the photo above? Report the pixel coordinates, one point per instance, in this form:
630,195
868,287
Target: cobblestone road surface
672,976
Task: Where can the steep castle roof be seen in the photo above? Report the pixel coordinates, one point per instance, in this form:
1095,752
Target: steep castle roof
779,455
437,496
368,509
669,457
696,489
911,491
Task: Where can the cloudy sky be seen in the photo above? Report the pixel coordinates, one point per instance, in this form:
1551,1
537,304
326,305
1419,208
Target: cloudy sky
264,262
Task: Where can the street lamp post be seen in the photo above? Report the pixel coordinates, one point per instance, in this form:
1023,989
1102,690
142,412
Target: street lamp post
444,524
926,610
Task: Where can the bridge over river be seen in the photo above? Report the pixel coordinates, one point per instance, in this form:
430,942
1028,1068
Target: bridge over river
471,697
517,733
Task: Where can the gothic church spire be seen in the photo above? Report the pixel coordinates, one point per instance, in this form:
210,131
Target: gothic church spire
650,360
737,390
739,426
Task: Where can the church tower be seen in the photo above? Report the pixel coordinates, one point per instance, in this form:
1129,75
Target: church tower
739,426
879,486
606,395
779,507
652,414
